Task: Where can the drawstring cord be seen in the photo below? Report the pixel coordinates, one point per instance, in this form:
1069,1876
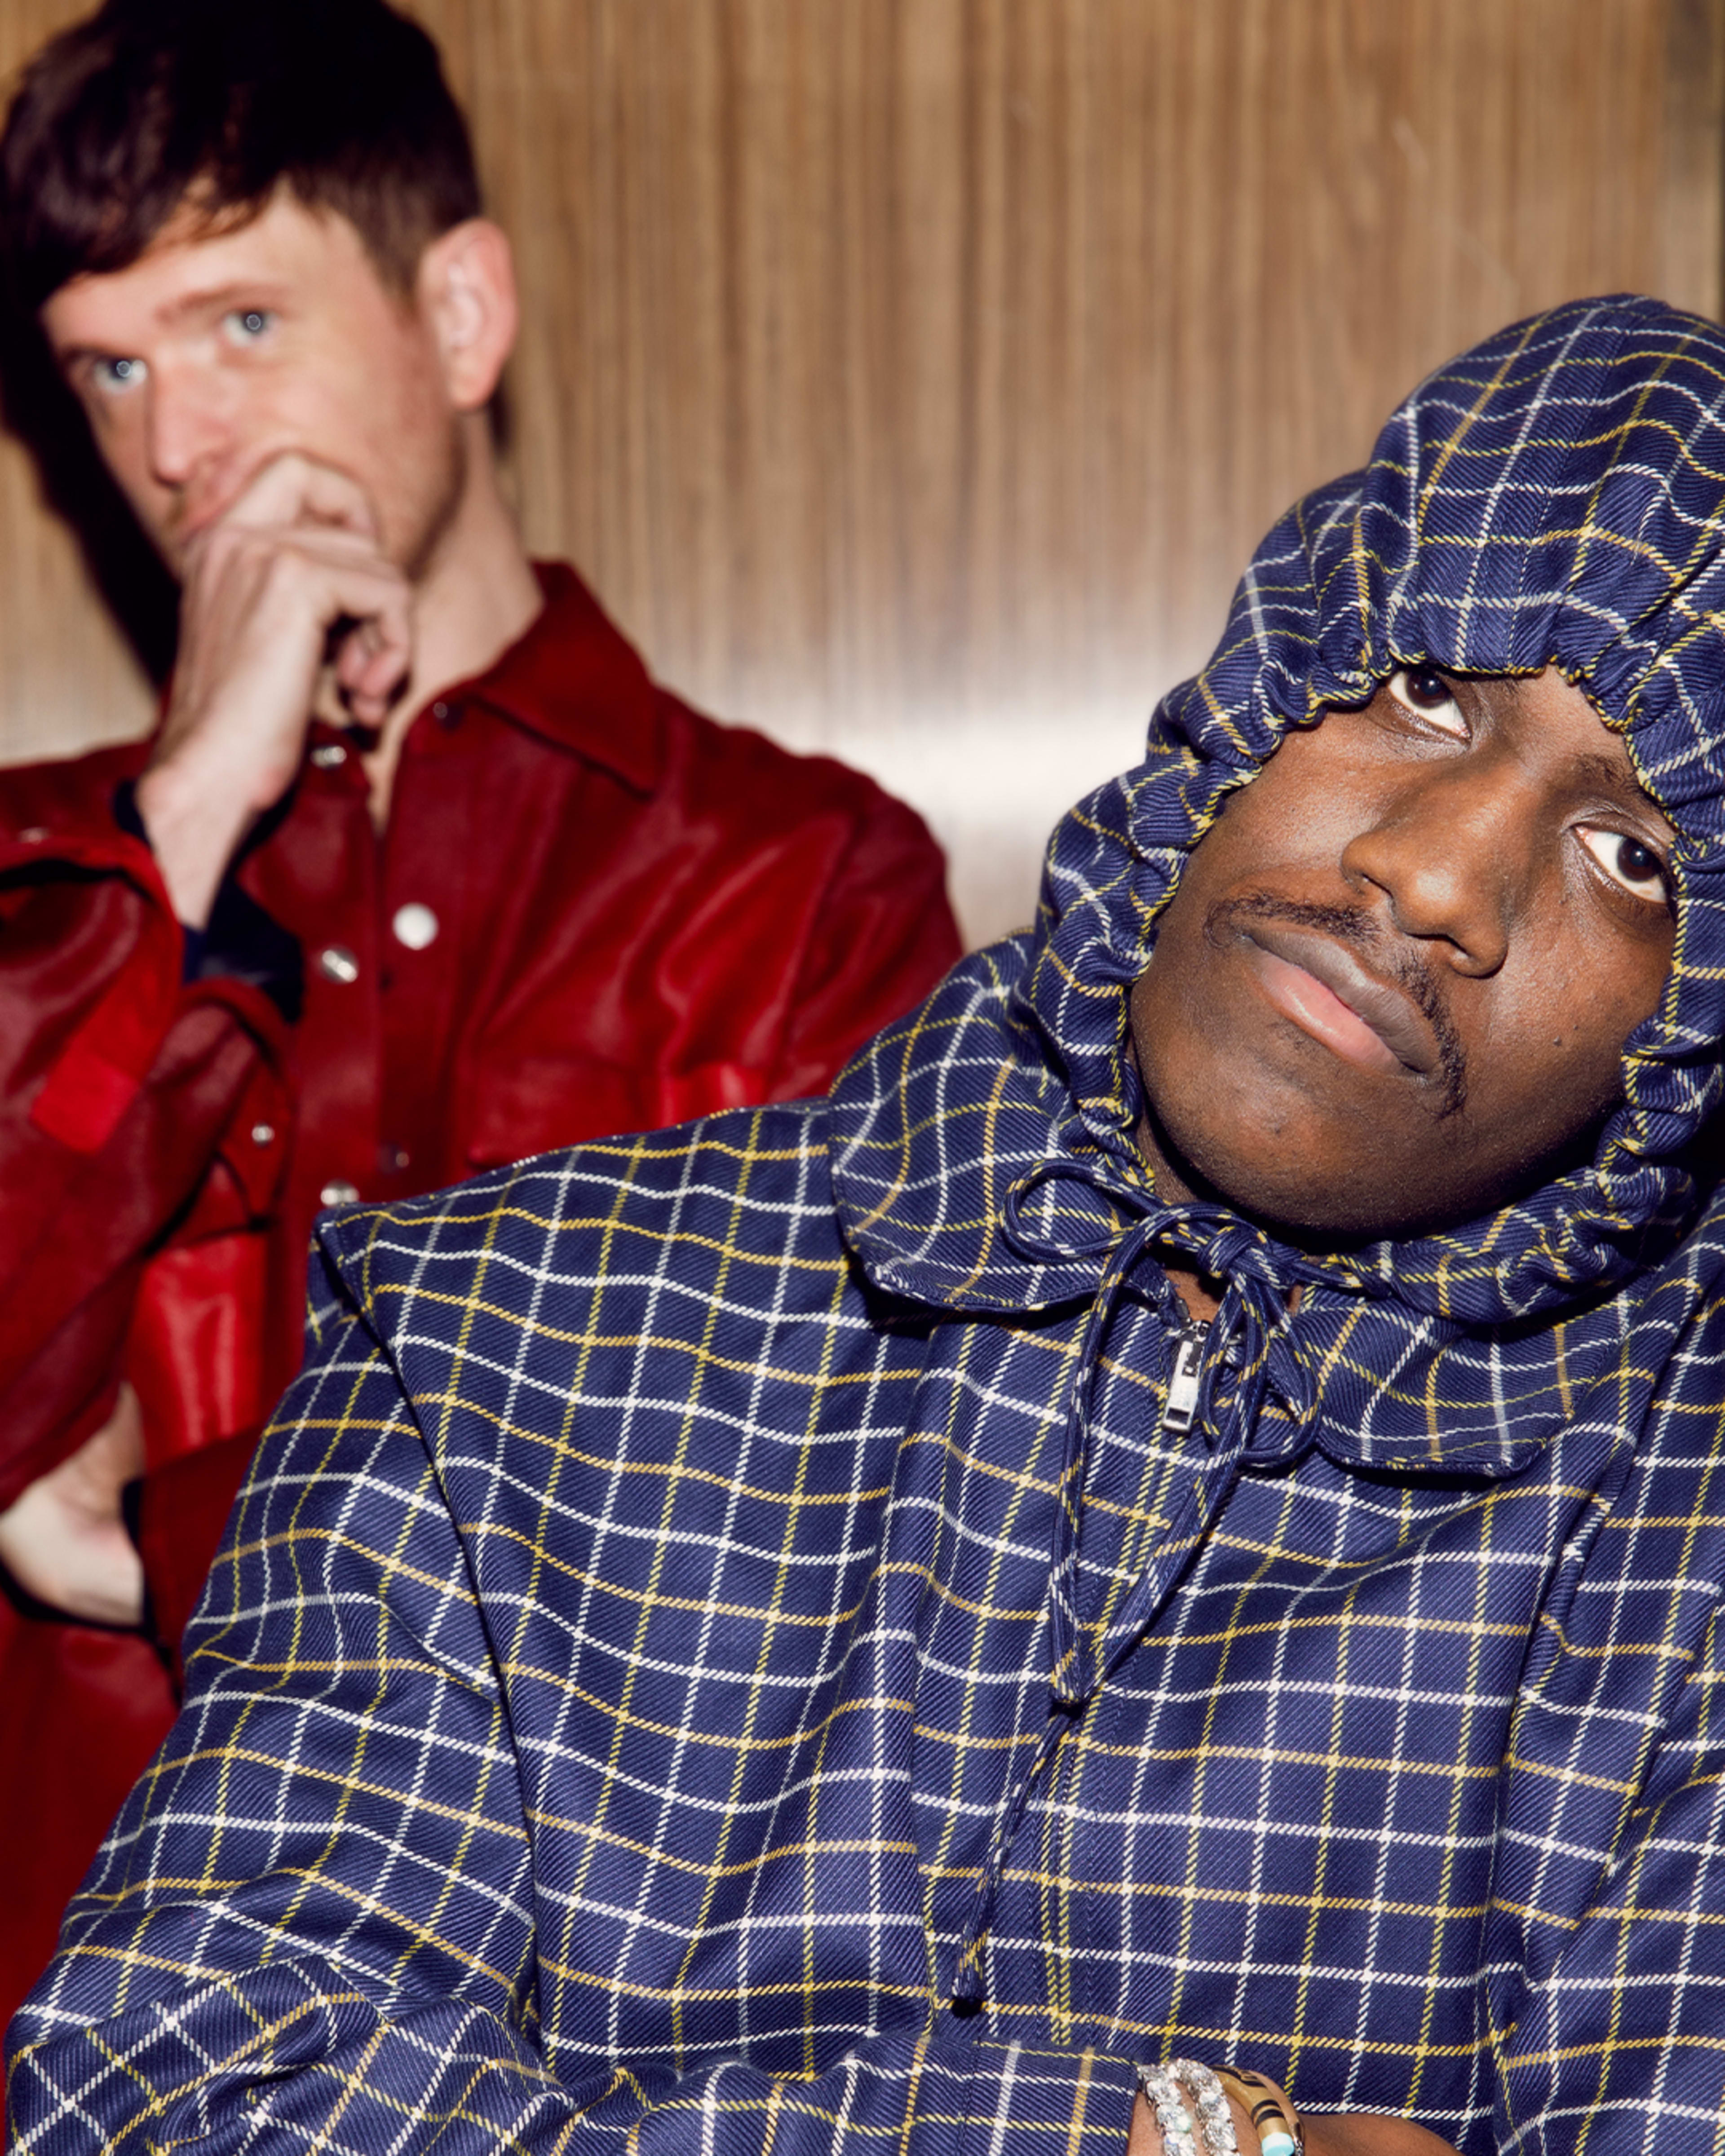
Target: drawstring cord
1246,1353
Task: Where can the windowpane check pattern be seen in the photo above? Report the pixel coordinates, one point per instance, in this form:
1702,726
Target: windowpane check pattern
721,1652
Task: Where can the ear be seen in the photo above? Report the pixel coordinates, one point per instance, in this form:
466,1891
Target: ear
466,293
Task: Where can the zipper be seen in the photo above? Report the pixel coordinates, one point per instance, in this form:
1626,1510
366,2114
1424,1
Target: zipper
1182,1409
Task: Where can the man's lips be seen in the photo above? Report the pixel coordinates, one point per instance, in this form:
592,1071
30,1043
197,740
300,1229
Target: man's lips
1323,989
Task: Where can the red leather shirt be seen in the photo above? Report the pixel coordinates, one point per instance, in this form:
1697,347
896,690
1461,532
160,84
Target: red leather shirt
592,910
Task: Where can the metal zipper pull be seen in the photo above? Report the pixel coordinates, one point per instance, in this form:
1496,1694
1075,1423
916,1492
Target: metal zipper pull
1177,1416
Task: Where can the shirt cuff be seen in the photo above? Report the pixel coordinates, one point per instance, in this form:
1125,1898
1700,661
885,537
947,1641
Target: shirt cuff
240,941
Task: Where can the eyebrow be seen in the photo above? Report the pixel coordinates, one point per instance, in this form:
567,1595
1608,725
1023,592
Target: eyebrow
214,299
1605,772
219,299
1611,774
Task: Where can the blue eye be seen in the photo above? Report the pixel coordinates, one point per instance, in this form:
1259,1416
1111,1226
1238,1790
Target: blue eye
114,375
246,325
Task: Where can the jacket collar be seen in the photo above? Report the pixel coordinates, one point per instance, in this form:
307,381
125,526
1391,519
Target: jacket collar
574,678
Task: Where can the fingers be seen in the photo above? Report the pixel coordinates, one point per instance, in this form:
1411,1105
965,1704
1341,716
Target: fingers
86,1569
263,599
295,508
311,527
293,489
64,1540
375,657
261,605
318,572
105,1462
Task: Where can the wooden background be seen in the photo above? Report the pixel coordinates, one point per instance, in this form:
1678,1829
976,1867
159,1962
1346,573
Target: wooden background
912,378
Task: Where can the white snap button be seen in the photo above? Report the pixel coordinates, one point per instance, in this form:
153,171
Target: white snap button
338,963
329,756
263,1134
414,925
341,1191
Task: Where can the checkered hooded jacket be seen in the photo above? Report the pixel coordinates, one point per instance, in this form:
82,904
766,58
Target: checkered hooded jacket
724,1647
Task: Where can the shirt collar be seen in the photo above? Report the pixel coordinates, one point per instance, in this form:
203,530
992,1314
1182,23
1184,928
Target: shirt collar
575,678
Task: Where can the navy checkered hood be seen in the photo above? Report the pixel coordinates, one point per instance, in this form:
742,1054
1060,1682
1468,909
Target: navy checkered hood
1554,497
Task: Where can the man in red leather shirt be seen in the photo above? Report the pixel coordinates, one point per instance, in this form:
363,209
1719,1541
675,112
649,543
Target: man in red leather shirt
420,871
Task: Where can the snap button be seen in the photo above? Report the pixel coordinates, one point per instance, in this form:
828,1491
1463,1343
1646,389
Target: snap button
341,1191
263,1134
329,756
338,963
415,925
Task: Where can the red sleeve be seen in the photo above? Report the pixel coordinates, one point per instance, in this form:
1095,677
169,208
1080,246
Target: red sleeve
884,935
116,1087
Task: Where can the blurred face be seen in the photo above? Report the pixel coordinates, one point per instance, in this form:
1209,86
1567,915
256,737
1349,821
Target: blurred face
1393,988
218,351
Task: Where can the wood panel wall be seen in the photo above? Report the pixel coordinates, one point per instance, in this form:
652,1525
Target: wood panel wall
913,377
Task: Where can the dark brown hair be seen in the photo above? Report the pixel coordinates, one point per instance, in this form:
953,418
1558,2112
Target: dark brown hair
124,117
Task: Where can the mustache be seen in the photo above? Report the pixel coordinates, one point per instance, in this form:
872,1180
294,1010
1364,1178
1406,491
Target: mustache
1354,926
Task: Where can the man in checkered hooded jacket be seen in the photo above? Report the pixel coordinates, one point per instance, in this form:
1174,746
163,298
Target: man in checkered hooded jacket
1179,1514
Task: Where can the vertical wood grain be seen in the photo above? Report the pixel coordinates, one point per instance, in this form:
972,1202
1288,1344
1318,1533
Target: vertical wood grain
913,377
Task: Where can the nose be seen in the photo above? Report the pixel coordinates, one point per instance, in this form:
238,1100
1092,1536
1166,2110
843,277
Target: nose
187,429
1451,852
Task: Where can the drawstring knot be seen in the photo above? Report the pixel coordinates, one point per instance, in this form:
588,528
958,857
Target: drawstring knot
1248,1348
1246,1355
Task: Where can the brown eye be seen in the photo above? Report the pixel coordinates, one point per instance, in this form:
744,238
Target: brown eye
1429,697
1424,688
1630,864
